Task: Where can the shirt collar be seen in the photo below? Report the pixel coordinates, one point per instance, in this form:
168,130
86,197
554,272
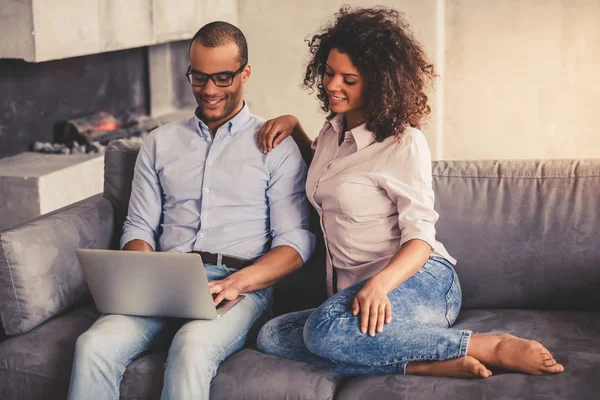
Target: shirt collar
337,123
233,126
362,136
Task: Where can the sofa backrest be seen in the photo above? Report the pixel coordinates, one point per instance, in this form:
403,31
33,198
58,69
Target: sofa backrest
525,233
119,163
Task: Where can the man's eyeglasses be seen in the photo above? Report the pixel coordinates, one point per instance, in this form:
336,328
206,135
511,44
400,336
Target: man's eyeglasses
220,79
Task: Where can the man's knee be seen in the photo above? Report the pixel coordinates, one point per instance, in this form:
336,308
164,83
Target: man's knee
92,345
187,351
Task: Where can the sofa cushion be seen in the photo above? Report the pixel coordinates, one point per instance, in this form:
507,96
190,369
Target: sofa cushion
40,275
573,337
119,163
251,375
525,233
37,364
247,374
143,378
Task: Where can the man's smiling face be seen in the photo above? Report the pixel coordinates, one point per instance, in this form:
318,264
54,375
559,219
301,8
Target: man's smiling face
218,104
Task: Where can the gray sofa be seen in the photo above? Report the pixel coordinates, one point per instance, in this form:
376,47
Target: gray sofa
525,234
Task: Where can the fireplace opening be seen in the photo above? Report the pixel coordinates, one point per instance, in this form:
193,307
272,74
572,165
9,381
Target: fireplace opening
92,133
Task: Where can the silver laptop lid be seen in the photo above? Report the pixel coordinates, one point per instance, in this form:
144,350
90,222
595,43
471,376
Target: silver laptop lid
158,284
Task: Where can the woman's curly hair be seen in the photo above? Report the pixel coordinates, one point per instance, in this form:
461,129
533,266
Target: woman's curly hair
392,63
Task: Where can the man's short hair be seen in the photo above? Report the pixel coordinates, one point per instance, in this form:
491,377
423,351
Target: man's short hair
219,33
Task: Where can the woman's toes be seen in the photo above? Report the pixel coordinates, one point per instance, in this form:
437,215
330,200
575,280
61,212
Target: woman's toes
476,368
554,369
549,363
537,346
482,371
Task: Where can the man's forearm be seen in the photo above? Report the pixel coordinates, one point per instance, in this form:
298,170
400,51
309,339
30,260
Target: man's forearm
137,245
270,268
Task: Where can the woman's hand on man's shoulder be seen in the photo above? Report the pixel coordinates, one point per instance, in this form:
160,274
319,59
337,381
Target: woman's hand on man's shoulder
274,131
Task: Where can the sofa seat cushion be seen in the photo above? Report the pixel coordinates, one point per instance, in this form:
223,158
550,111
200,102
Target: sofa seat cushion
251,375
143,378
247,374
37,364
573,338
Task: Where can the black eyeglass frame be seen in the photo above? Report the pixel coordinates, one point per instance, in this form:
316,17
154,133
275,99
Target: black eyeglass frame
211,76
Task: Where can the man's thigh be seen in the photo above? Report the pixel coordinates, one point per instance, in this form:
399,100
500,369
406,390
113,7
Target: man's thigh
230,332
124,336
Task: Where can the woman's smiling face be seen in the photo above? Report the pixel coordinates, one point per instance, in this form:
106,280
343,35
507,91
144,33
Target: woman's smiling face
343,83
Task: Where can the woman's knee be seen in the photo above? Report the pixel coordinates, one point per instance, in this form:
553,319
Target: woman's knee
319,331
327,326
282,334
269,335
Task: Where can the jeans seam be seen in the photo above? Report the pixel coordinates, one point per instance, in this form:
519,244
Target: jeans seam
452,285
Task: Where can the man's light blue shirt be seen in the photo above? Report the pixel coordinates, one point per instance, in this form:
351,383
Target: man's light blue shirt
191,192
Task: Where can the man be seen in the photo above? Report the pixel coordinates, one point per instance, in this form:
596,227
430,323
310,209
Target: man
202,185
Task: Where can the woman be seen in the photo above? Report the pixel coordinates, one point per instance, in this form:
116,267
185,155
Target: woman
394,292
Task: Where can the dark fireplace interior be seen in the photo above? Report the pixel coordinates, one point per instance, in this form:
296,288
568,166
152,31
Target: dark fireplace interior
35,97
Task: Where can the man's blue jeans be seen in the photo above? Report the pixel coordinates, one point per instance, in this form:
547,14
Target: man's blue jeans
423,309
199,346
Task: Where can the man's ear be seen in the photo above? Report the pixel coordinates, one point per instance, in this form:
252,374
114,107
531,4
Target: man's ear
246,73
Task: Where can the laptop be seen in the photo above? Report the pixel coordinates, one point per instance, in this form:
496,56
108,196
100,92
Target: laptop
154,284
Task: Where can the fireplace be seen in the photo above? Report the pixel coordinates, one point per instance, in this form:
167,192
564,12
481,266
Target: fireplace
72,108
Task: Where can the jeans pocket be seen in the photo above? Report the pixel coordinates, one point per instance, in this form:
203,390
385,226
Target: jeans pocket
453,301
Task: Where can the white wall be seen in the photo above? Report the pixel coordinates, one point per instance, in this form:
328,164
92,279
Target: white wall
522,79
518,77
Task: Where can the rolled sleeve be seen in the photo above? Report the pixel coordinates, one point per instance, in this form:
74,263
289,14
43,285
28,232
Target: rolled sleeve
289,210
145,205
408,183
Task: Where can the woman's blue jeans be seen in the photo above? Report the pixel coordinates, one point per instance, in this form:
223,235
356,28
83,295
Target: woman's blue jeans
423,309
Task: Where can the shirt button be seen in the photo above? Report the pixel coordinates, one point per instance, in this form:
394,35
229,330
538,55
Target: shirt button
206,190
201,235
210,162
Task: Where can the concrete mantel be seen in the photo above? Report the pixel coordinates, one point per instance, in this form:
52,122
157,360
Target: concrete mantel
32,184
43,30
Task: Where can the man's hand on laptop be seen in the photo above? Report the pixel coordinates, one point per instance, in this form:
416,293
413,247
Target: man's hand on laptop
226,289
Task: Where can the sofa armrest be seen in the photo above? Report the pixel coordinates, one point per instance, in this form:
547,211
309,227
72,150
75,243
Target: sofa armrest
40,275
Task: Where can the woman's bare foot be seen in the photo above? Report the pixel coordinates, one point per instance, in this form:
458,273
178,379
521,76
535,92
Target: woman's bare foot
464,367
513,354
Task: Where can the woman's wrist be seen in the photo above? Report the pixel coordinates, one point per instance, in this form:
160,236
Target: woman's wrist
380,282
